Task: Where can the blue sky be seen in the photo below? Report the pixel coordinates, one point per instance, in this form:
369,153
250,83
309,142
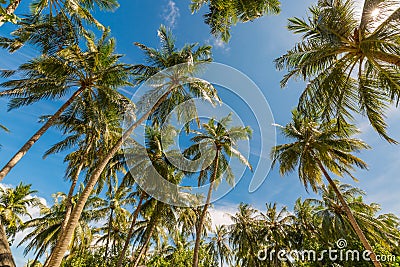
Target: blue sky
251,50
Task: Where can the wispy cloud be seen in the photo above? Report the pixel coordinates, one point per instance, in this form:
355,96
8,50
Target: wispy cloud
218,43
220,214
171,14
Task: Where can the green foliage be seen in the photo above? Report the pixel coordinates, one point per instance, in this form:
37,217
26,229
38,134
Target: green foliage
351,66
223,14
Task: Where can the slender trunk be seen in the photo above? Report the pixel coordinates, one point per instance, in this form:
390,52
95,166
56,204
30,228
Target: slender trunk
63,241
68,208
108,235
6,258
144,247
24,149
350,216
10,9
130,233
199,228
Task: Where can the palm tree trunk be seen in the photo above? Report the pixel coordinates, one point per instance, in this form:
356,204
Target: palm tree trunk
10,9
63,241
24,149
199,228
350,216
68,208
6,258
108,235
144,247
130,233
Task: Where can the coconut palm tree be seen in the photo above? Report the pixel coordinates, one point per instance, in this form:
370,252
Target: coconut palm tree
335,224
172,90
117,201
218,246
94,71
350,58
14,203
244,237
275,229
222,14
47,228
76,10
319,147
142,166
217,138
90,125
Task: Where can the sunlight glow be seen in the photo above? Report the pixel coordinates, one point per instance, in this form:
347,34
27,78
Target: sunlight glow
375,13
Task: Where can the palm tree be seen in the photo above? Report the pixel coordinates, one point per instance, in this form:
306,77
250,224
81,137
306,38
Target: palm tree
96,70
218,246
217,138
91,125
47,228
319,147
334,223
223,14
244,236
174,91
160,218
77,10
351,63
115,208
141,166
275,229
14,202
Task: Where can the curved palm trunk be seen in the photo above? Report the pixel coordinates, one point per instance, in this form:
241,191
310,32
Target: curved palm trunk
24,149
10,10
6,258
68,208
199,228
130,233
63,241
145,245
108,235
350,216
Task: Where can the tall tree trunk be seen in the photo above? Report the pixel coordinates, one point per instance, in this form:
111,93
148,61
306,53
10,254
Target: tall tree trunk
350,216
6,258
144,247
10,9
68,208
199,228
130,233
63,241
108,235
18,156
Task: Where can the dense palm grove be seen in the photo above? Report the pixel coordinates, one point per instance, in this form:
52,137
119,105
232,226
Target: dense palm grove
107,219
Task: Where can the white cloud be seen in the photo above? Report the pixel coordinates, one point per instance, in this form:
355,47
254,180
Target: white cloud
220,214
218,43
171,14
